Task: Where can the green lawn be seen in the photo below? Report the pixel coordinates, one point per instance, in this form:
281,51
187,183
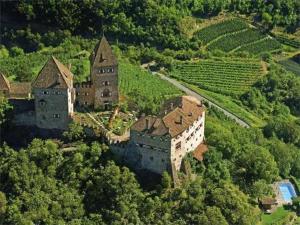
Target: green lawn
229,104
280,217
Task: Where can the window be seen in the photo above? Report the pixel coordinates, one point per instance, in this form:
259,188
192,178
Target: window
56,116
162,160
57,92
106,93
106,83
178,145
86,94
46,92
85,103
42,102
151,158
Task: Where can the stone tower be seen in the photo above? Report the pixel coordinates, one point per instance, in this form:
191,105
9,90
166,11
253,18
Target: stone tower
104,75
54,96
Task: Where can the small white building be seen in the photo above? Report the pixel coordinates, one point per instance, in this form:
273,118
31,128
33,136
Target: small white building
161,142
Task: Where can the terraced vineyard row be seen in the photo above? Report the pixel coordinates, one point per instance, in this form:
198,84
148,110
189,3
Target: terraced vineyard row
236,35
267,45
290,42
233,41
212,32
223,77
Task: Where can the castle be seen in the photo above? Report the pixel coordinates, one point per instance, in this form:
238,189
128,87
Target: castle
55,93
156,143
159,143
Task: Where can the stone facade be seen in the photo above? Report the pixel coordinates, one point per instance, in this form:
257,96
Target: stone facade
53,108
154,151
85,94
54,96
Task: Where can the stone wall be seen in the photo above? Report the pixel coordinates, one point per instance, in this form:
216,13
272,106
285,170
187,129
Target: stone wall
154,151
53,108
85,94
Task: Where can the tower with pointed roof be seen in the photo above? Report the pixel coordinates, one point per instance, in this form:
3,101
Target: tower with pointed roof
54,96
104,75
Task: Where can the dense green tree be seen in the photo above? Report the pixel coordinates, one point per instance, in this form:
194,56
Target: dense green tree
75,132
3,203
16,51
230,199
296,205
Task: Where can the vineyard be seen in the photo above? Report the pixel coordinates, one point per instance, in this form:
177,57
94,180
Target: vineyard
228,77
287,41
266,45
212,32
236,35
148,91
231,42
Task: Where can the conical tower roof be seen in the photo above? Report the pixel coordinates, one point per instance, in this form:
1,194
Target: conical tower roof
54,75
4,83
103,54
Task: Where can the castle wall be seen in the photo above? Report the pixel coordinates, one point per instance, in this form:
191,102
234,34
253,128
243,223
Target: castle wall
105,82
53,107
154,151
188,141
85,94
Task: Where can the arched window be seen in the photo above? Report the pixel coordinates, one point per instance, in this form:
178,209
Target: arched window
42,102
106,93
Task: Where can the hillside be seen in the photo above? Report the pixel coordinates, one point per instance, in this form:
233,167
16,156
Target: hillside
240,55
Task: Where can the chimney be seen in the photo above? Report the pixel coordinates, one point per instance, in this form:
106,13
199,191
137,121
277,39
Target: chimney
69,66
148,124
180,119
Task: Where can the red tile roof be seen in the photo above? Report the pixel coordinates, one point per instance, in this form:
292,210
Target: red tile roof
182,114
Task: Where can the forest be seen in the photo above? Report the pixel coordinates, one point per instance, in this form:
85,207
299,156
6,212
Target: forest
152,22
42,184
